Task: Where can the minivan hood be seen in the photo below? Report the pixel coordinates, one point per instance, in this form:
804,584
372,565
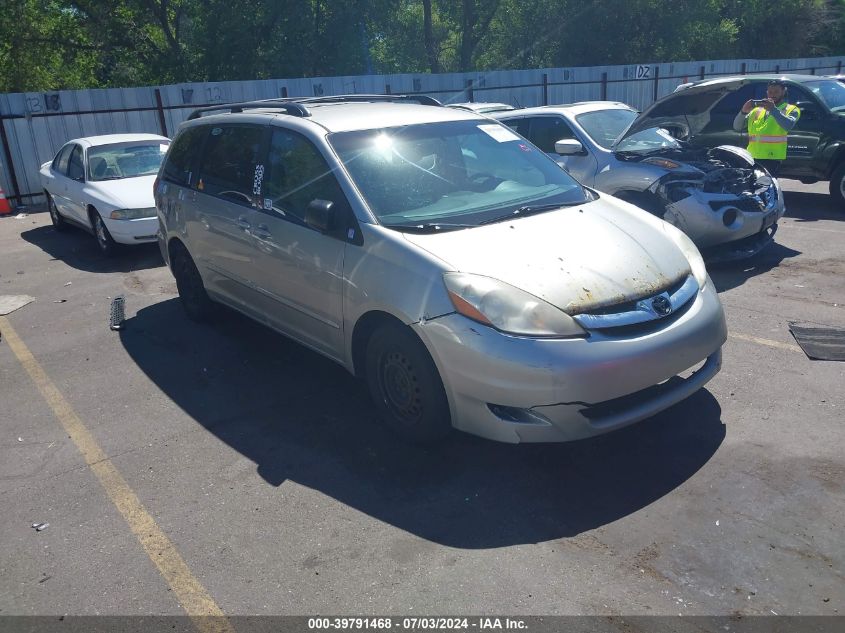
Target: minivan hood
688,108
577,258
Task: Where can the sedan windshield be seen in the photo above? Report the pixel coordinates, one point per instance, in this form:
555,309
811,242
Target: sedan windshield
125,160
605,126
830,91
463,172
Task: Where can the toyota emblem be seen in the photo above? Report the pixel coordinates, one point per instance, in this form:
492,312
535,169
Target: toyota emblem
662,306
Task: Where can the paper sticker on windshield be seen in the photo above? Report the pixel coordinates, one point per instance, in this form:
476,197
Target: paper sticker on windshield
498,132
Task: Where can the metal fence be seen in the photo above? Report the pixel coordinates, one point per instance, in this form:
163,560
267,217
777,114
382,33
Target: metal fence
33,126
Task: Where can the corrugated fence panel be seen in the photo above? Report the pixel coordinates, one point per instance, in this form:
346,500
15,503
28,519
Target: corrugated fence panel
38,124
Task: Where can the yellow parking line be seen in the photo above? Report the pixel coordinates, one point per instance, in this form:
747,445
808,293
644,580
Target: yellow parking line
198,604
765,341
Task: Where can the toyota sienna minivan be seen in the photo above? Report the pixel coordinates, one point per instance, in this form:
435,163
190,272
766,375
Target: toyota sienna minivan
470,281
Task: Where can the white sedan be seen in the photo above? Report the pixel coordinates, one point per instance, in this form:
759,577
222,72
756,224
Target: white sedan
104,184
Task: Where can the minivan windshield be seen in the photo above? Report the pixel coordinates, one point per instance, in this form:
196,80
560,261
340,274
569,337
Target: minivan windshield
460,173
830,91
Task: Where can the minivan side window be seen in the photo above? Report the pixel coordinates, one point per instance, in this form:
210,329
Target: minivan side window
180,159
228,164
61,160
75,170
297,174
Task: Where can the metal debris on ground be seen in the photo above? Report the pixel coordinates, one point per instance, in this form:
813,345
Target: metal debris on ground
10,303
68,283
21,216
59,300
118,313
820,343
40,527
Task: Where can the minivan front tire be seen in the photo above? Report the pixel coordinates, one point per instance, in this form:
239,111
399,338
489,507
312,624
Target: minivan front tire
405,385
195,300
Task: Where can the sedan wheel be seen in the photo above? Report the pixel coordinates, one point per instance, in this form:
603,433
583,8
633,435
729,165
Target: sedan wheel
59,222
405,385
104,239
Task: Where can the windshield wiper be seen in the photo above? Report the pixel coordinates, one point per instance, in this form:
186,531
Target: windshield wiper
429,227
530,209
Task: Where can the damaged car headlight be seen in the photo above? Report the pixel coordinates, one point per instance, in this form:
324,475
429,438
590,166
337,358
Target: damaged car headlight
506,308
665,163
691,252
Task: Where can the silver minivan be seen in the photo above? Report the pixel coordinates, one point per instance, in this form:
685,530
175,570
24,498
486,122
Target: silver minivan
454,266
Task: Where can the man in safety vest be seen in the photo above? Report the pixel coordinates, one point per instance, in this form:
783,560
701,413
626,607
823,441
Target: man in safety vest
768,122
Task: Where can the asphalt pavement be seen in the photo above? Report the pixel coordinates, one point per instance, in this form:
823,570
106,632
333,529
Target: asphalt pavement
260,464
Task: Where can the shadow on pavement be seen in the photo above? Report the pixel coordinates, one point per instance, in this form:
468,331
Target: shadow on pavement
806,206
301,417
730,275
78,249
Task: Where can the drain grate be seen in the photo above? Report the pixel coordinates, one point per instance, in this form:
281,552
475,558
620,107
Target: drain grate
117,313
820,343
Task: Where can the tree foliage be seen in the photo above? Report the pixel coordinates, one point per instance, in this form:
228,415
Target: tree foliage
54,44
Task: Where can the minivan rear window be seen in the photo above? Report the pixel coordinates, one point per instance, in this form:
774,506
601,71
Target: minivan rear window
179,161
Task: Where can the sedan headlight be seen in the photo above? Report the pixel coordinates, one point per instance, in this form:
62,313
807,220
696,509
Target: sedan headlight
506,308
691,252
133,214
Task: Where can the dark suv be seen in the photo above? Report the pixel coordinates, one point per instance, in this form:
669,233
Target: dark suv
703,112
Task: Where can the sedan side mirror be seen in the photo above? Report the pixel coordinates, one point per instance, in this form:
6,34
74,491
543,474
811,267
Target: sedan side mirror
568,147
320,215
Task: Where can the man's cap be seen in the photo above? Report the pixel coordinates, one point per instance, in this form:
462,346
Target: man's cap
778,82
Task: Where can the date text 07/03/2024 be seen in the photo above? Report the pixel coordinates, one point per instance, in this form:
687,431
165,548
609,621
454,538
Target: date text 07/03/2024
415,623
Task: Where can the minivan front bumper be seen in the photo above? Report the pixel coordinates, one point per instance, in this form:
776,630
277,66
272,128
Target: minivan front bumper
519,389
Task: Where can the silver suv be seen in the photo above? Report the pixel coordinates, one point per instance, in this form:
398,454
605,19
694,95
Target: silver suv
471,282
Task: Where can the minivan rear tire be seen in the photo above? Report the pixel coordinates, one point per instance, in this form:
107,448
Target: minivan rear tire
195,300
405,385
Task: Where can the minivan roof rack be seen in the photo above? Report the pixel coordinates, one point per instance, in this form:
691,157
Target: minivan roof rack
288,106
363,98
294,106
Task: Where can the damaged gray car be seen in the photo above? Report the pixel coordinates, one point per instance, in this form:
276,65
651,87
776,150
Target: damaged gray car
726,203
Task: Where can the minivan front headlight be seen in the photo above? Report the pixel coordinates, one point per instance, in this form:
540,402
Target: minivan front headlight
506,308
133,214
691,252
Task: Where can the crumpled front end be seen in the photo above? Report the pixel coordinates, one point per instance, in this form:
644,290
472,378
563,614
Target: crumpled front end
729,209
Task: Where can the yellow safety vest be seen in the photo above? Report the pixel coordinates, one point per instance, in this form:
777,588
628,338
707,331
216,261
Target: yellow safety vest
766,138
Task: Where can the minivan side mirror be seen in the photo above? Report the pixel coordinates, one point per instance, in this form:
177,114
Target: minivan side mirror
320,215
568,147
